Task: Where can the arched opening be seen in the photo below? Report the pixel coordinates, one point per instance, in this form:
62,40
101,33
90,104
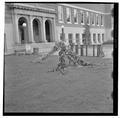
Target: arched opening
37,31
48,30
23,30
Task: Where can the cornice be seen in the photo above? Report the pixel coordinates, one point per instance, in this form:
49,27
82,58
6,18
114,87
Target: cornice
81,8
31,8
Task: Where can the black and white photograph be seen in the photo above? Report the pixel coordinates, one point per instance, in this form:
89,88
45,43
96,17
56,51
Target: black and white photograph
60,58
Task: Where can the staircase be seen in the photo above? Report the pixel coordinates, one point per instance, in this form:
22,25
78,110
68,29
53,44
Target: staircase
41,47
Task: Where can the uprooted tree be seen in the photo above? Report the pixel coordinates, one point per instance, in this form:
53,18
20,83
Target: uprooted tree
64,53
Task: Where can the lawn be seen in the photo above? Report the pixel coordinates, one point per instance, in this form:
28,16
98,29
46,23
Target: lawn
31,87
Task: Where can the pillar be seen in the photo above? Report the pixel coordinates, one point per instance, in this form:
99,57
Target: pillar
30,29
43,29
53,29
16,29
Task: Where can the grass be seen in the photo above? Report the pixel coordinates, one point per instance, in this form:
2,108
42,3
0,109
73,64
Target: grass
30,87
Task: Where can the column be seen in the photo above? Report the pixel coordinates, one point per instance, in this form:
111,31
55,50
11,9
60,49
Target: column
81,45
43,30
30,29
53,30
16,29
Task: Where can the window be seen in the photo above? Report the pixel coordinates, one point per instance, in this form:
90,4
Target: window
93,19
68,12
60,13
88,18
75,16
82,17
99,38
103,37
62,36
94,38
97,19
70,36
77,37
83,39
101,20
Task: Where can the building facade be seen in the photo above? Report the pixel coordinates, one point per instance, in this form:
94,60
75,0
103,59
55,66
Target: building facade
39,24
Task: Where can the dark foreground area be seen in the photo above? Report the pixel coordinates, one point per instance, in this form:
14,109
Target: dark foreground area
31,87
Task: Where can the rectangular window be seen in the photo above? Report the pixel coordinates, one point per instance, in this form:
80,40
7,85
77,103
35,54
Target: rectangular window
82,17
103,37
83,39
75,16
99,38
93,19
97,20
77,37
68,12
70,36
101,19
94,38
60,13
88,18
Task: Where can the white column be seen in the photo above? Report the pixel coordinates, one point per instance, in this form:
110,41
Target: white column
16,29
81,43
43,29
30,29
92,38
54,30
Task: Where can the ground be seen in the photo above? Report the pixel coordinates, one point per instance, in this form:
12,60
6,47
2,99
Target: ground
31,87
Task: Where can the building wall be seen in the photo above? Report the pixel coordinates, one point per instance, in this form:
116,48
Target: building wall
101,9
91,9
9,30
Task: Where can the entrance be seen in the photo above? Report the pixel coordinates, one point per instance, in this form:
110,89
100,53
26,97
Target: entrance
48,29
23,30
37,31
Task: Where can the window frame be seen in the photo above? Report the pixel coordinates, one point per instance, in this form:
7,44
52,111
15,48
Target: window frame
82,13
93,19
99,38
60,13
94,36
75,15
88,17
97,19
69,13
103,37
101,20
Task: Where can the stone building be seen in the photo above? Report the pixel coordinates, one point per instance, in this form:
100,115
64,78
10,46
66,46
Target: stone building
39,24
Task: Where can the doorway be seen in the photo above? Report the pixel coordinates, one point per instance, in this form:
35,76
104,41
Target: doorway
23,30
48,30
37,31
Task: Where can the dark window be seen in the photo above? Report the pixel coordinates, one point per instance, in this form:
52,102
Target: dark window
77,38
83,38
70,36
103,37
99,38
94,38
